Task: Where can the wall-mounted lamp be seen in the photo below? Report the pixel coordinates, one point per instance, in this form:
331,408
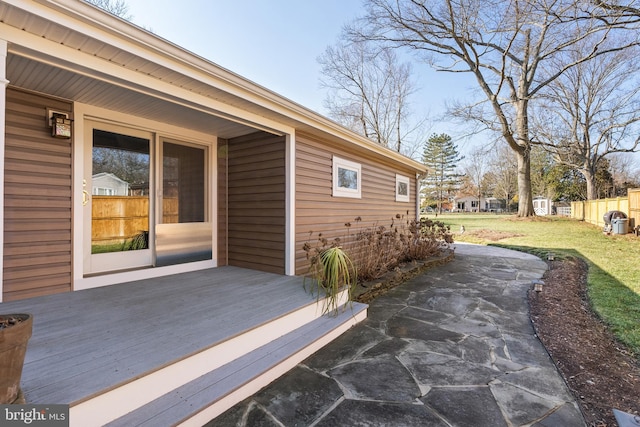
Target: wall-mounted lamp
60,124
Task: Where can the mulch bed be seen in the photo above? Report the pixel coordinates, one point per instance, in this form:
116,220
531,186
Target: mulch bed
598,369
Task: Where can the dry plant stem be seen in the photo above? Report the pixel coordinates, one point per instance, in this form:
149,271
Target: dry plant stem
377,249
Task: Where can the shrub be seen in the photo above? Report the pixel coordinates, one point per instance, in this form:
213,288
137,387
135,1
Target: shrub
426,239
377,249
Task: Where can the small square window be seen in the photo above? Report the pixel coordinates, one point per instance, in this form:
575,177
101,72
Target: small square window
402,188
347,178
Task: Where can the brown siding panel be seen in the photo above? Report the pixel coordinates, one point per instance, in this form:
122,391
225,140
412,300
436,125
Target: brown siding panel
37,228
317,211
256,202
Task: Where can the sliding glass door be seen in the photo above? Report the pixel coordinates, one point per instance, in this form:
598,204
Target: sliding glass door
133,175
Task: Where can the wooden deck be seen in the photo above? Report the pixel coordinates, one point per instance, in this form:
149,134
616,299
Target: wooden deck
119,353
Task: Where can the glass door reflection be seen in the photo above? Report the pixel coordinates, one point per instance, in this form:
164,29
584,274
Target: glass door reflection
120,192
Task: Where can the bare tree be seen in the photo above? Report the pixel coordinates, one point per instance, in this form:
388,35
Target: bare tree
504,165
476,169
543,169
625,172
513,48
629,10
591,112
116,7
370,93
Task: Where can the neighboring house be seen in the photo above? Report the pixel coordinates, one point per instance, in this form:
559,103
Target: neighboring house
251,171
107,184
465,203
468,203
492,204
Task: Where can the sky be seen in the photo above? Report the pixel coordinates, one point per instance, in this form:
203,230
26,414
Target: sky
276,43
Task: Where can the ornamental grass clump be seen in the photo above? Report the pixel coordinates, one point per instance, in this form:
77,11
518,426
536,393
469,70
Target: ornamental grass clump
331,272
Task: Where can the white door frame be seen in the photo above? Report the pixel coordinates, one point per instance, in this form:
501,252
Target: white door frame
84,113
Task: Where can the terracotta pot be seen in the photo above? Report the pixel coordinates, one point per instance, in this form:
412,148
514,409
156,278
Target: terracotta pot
13,347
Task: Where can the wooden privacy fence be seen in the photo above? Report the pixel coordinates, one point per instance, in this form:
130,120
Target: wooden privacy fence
592,211
115,219
634,207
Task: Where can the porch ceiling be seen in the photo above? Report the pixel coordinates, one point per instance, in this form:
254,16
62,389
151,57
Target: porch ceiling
40,77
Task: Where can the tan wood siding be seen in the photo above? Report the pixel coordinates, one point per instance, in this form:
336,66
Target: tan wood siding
37,226
256,202
317,211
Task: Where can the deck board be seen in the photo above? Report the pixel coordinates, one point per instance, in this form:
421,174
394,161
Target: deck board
93,340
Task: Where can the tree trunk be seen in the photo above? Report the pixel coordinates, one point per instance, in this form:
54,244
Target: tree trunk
523,153
525,197
590,178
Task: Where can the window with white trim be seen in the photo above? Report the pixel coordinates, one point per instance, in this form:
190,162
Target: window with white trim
347,178
402,188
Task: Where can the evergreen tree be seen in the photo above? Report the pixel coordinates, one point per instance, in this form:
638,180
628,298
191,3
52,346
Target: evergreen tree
441,156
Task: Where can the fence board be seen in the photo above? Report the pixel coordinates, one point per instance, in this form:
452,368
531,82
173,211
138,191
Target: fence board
634,207
592,211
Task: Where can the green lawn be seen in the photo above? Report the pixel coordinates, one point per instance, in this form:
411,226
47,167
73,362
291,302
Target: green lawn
614,261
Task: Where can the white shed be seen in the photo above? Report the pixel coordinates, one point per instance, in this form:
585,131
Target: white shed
542,206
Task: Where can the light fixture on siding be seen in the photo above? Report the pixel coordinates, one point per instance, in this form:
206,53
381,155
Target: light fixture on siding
60,124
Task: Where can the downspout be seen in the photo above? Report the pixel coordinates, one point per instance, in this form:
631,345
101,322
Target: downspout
3,117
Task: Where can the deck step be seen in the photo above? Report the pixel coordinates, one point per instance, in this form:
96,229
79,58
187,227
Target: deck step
199,401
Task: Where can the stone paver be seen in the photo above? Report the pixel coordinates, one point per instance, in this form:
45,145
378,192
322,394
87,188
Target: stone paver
452,347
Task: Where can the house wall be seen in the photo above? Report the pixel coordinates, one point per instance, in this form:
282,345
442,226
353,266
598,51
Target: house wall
37,227
256,202
317,211
469,204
